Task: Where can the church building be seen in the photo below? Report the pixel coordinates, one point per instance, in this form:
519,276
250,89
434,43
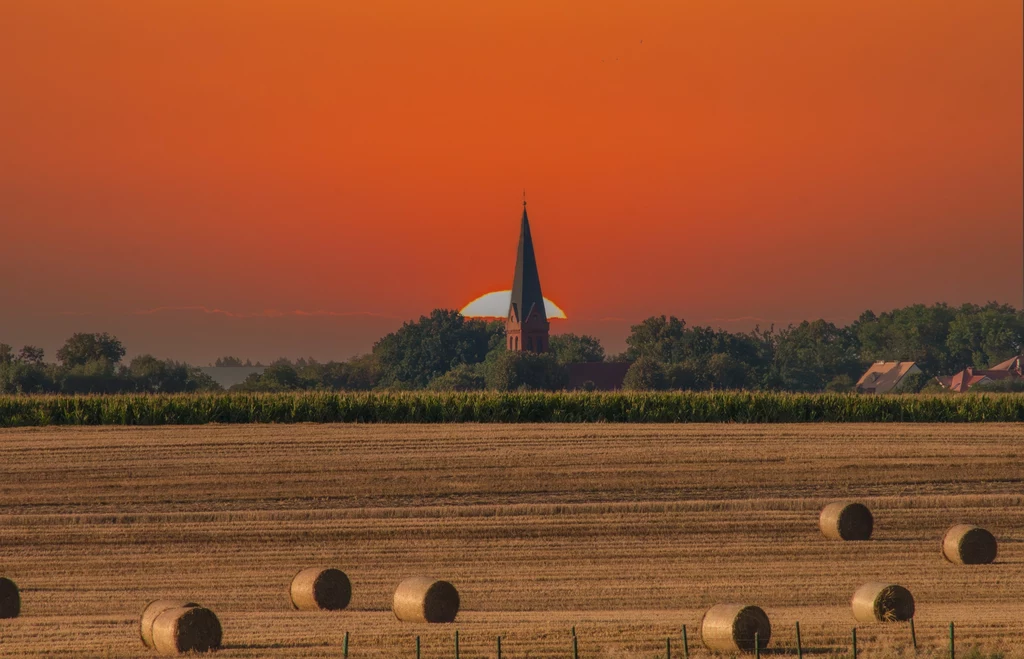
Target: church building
526,327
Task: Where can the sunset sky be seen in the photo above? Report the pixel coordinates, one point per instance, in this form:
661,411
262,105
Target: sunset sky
296,177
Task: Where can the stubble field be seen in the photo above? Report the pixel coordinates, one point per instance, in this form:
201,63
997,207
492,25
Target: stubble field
627,532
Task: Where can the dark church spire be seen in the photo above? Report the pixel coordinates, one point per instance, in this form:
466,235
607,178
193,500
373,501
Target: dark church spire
527,326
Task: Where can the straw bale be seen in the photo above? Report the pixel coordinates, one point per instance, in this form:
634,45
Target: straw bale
149,614
318,588
422,599
846,520
10,599
731,628
186,629
882,602
966,544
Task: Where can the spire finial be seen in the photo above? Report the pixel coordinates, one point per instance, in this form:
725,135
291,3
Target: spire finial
524,197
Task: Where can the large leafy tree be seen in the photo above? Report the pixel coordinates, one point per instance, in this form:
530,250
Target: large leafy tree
31,355
916,333
985,336
576,348
659,338
358,373
465,377
83,348
167,376
810,355
645,374
422,350
509,371
669,341
726,372
362,372
689,374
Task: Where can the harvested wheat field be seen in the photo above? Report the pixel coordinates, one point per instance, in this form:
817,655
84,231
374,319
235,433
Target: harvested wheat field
626,532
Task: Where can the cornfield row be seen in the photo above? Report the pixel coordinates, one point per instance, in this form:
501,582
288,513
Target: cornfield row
494,407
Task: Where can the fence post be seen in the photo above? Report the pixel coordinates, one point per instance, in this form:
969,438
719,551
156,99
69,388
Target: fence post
346,645
456,644
799,646
668,648
854,643
757,645
686,645
417,647
913,635
575,648
574,631
499,647
952,642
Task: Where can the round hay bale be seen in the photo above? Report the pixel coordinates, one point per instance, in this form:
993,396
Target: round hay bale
846,520
965,544
152,610
882,602
186,629
10,599
731,628
422,599
318,588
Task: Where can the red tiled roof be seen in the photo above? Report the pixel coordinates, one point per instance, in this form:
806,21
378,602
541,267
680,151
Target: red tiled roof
1011,364
996,375
884,376
967,378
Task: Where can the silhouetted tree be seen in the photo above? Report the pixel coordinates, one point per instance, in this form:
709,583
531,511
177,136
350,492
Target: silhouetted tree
645,374
726,372
420,351
686,375
83,348
511,370
985,336
574,348
31,355
811,354
916,333
465,377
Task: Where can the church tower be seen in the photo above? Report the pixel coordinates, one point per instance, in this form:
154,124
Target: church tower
526,327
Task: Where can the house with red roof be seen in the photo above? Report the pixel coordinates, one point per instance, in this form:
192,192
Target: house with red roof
970,377
884,377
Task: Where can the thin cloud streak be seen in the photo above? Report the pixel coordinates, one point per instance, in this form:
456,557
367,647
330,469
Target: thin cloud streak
266,313
215,311
844,320
748,319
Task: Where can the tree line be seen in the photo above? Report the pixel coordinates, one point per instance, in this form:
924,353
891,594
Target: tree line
92,363
822,356
445,351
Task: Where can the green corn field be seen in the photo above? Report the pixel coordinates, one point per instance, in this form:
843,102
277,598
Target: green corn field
495,407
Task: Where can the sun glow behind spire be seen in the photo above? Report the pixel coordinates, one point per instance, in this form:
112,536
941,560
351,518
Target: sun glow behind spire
495,305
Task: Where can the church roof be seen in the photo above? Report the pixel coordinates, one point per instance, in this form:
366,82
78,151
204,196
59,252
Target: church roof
526,294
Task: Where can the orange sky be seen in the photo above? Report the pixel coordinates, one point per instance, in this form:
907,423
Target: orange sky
711,159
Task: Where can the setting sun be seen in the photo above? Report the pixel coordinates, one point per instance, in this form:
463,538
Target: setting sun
495,305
